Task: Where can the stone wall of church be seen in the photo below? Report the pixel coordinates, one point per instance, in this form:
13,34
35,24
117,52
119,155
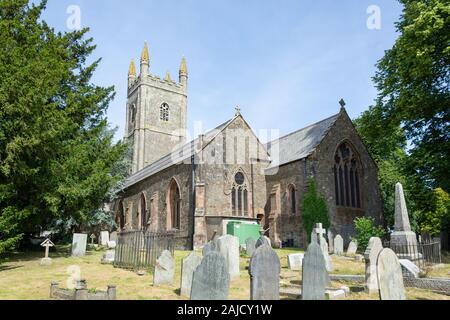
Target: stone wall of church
155,189
217,175
322,163
285,226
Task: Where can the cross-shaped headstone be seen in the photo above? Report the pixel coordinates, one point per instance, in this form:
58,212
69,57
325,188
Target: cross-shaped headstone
92,238
47,244
342,103
319,229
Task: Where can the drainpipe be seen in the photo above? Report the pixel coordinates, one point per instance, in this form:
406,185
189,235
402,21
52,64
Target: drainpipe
253,188
193,169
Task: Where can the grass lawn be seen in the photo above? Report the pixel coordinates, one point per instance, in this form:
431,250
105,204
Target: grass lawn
22,278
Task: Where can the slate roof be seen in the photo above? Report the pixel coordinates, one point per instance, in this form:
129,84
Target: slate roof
179,155
299,144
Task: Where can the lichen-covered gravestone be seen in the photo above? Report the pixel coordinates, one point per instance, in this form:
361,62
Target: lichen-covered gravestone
295,261
189,265
314,276
338,245
211,280
264,273
371,256
164,269
79,244
207,248
228,246
104,238
352,248
390,277
263,240
250,246
330,241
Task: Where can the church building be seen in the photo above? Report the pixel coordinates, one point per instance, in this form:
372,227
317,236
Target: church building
195,188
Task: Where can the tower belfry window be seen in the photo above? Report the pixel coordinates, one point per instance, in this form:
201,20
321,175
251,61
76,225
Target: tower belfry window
164,112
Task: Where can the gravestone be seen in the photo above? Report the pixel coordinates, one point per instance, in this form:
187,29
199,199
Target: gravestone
330,241
264,273
338,245
46,261
409,269
79,244
352,248
318,232
93,237
108,257
211,280
228,246
250,246
164,269
390,277
314,275
189,265
113,236
403,237
371,256
112,244
263,240
295,261
209,247
104,238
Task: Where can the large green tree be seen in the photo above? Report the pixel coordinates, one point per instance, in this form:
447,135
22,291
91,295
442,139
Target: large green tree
413,80
57,155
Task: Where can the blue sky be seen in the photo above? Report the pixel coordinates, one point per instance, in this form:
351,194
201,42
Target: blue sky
286,63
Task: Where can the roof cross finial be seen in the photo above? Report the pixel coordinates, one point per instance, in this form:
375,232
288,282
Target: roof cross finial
238,111
342,103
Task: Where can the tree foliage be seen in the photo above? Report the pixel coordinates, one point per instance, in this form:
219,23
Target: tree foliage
436,218
407,131
413,83
57,154
366,229
314,209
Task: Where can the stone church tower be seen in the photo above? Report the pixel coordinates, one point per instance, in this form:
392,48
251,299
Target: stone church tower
156,119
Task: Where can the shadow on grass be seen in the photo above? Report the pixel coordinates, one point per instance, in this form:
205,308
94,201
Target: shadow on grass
6,268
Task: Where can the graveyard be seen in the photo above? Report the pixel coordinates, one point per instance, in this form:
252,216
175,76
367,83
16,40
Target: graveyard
23,278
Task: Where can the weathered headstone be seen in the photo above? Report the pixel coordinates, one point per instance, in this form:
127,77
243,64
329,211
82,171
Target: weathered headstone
79,243
390,277
112,244
371,256
409,269
104,238
314,275
295,261
189,265
164,269
228,246
263,240
46,261
326,255
211,280
209,247
338,245
108,257
330,241
250,246
264,273
403,237
113,236
352,248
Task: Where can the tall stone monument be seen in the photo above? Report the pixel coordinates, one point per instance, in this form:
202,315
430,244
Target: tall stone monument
403,237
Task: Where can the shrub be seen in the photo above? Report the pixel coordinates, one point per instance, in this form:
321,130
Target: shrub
314,209
366,228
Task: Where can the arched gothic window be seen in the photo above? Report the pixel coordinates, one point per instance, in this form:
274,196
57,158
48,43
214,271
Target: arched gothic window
133,113
174,207
120,217
347,180
239,196
292,199
143,211
164,112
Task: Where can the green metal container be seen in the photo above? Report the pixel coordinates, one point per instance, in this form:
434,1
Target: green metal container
243,230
